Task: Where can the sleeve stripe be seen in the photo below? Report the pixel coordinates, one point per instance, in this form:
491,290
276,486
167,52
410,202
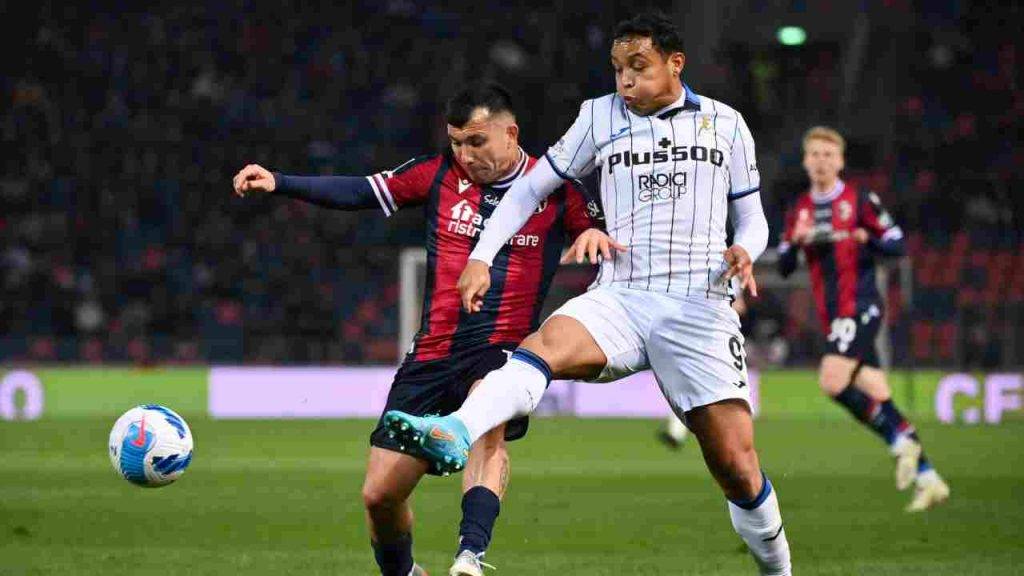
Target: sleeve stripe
742,193
380,198
557,170
386,192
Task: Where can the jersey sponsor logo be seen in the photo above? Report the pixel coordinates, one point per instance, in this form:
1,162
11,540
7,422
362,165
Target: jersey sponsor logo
663,186
466,221
675,154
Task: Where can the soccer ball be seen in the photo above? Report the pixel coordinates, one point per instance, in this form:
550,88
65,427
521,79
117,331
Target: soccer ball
150,445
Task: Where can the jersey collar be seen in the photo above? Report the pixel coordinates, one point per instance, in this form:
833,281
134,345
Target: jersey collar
831,194
514,174
688,100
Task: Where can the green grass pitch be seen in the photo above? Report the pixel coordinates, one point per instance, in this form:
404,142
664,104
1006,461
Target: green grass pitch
586,497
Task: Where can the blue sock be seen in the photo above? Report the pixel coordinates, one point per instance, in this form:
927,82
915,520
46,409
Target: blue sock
766,491
394,558
480,508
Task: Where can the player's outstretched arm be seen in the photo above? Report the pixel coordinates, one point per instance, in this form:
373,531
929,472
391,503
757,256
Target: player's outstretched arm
336,192
749,240
512,212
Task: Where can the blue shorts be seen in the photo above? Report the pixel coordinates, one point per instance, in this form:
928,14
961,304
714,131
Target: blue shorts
855,337
441,386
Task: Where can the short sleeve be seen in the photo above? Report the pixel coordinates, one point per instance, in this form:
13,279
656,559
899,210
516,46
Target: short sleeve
408,184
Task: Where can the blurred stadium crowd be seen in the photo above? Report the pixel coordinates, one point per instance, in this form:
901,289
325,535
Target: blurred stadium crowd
122,126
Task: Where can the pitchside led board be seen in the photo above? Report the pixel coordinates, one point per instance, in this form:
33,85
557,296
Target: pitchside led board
360,392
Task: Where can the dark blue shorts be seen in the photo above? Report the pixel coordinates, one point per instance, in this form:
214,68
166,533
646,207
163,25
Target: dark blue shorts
855,337
441,386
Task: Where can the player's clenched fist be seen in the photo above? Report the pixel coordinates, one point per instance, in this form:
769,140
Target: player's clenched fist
473,284
589,244
253,178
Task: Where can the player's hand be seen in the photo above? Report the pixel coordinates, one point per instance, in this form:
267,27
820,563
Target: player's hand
473,284
861,236
588,244
253,178
803,231
740,265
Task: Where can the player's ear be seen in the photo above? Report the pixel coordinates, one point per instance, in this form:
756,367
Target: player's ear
676,62
512,131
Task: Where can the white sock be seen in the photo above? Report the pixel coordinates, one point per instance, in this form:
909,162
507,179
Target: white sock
511,391
927,477
675,428
761,528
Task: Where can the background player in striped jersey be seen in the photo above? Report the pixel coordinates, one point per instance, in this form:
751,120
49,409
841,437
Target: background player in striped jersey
841,230
673,167
459,190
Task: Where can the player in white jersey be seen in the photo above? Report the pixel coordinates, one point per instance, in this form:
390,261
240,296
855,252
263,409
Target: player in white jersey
673,167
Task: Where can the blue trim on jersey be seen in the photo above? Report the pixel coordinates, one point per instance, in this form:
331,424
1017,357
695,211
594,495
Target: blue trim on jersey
692,99
766,491
527,357
554,167
737,195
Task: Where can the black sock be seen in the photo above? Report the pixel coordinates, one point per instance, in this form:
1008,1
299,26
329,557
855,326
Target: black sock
923,464
882,417
480,509
395,557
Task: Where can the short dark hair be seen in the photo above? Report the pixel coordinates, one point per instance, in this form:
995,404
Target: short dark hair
662,31
490,95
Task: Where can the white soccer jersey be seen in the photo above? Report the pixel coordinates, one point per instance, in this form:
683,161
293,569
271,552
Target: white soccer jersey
666,183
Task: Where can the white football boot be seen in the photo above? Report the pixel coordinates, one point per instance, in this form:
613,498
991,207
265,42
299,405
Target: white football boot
907,452
468,564
931,491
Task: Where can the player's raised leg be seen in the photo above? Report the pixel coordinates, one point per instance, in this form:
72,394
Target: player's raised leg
483,486
562,346
390,479
725,431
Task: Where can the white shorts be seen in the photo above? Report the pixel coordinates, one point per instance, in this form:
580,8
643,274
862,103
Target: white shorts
693,345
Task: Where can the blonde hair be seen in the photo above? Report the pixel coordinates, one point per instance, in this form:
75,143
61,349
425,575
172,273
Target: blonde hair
827,134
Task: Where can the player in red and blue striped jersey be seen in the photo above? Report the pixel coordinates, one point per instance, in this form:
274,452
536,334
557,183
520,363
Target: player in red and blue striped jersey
842,230
458,191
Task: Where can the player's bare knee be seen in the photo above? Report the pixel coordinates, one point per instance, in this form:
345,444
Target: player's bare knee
738,470
542,342
377,498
